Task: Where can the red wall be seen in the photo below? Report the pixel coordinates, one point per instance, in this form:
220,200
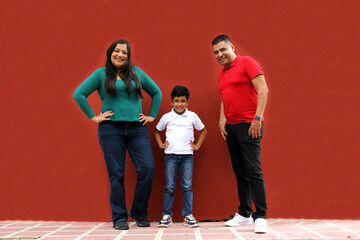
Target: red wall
51,163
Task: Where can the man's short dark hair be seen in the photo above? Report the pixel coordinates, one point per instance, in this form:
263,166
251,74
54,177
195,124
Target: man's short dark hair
221,38
179,91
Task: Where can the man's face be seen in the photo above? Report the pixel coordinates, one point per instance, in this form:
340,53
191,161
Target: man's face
224,53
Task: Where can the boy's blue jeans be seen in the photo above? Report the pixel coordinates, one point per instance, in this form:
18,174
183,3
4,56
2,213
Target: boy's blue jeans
172,163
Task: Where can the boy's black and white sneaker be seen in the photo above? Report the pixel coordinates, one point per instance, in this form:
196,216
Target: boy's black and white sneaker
190,221
165,222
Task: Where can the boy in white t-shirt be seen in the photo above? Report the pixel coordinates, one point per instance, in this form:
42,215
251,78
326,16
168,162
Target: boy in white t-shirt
179,146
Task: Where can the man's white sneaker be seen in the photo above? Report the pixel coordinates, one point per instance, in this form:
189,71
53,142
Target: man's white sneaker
261,226
239,220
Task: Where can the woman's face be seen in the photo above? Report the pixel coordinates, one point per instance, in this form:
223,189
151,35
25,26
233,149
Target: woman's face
119,56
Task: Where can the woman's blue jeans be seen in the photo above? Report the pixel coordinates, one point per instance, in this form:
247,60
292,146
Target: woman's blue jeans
185,164
115,138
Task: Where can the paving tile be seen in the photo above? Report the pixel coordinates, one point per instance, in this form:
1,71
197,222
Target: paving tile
152,237
104,233
279,229
137,230
11,229
300,235
29,234
353,228
42,228
215,230
59,238
287,229
344,234
56,224
217,236
185,236
70,233
99,238
259,236
3,234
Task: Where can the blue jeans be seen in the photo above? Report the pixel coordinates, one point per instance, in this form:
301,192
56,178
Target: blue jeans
172,163
115,138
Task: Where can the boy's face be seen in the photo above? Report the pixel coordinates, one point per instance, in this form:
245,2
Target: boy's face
180,104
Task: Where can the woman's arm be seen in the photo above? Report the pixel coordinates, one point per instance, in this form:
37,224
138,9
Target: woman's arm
150,88
85,89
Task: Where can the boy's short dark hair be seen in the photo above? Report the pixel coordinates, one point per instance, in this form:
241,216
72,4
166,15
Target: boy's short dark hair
221,38
179,91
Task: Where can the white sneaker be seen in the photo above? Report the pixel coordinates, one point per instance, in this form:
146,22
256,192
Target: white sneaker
165,222
261,226
239,220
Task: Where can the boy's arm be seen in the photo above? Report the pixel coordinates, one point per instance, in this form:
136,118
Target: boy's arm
200,141
159,141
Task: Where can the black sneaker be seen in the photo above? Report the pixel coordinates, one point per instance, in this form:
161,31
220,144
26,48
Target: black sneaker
121,226
140,222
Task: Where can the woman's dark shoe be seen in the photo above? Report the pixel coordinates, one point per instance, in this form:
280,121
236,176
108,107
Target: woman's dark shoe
140,222
121,226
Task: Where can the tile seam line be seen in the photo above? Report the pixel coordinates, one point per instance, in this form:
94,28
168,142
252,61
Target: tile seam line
198,234
343,228
55,231
24,230
237,235
89,231
279,235
159,234
314,232
123,233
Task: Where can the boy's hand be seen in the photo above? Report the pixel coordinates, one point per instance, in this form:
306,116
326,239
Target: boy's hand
165,145
193,146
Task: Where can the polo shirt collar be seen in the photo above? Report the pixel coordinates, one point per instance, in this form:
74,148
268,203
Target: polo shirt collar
175,115
232,64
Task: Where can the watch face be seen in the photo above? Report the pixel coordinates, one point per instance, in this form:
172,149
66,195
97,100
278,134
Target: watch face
257,117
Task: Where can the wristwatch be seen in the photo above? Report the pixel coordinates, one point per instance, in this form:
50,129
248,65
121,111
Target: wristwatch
258,117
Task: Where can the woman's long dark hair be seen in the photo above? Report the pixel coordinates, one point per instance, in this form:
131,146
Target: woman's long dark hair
126,72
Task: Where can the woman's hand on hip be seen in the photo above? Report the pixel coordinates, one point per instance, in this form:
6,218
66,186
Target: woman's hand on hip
145,119
102,117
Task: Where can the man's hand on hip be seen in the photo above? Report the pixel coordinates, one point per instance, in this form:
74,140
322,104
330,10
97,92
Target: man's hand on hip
222,130
254,130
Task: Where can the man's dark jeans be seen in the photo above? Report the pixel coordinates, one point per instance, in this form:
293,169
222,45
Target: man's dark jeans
245,158
115,138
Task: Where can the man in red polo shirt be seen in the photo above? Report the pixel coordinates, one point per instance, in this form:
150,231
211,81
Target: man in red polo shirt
244,94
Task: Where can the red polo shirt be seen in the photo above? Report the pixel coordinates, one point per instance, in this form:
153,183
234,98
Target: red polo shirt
237,91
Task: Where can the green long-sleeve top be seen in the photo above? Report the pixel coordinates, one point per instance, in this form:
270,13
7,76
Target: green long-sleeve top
124,107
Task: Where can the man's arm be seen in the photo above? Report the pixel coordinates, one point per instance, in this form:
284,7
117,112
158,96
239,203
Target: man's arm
222,121
260,85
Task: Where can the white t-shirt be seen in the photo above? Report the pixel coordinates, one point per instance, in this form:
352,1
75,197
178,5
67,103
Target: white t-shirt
179,130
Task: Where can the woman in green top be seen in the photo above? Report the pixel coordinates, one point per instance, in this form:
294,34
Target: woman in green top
122,125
